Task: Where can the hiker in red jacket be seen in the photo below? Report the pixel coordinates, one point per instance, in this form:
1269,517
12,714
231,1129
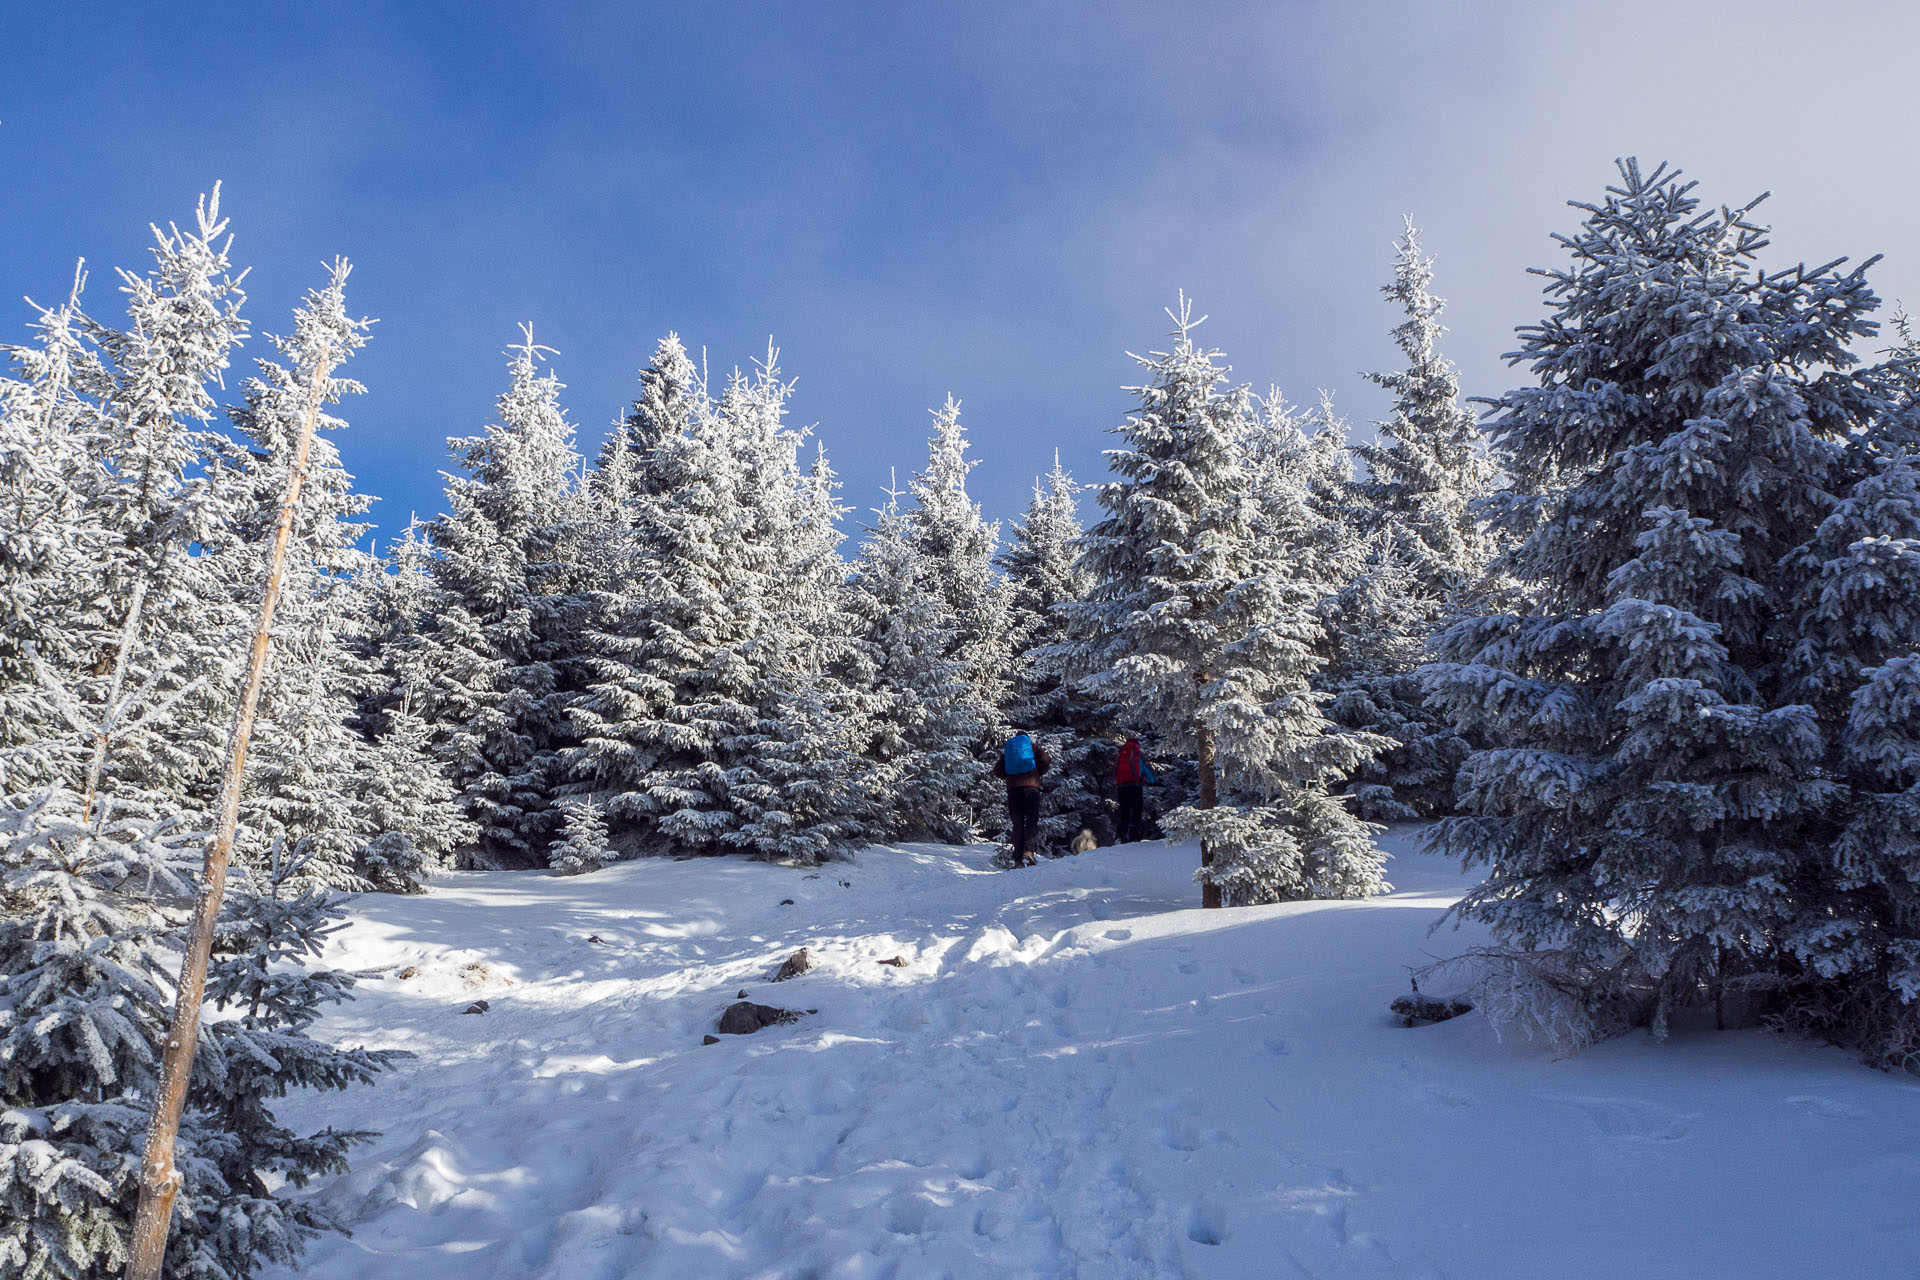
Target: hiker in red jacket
1021,763
1131,772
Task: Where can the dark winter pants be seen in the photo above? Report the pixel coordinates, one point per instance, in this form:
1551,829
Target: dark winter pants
1133,820
1023,819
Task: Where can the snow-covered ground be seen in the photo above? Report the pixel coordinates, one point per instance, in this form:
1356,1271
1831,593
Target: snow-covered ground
1075,1074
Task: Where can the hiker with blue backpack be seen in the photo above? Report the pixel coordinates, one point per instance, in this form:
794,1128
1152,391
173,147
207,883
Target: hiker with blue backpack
1131,772
1022,761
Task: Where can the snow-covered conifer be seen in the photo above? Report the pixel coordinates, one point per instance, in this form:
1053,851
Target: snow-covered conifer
1429,468
508,614
1425,563
1194,622
307,762
270,933
1651,783
957,545
582,846
1043,574
703,723
920,719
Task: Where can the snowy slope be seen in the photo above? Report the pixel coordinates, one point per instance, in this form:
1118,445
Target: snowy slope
1076,1074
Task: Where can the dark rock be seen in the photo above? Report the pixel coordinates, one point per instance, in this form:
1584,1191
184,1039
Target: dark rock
745,1018
709,1039
478,1006
1419,1007
898,962
742,995
786,902
794,965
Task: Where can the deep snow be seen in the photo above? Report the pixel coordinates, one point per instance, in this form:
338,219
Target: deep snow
1076,1074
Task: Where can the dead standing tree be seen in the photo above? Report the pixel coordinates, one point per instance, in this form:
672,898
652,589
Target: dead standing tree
323,339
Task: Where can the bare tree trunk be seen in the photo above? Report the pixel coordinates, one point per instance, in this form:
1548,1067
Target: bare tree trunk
1209,892
159,1180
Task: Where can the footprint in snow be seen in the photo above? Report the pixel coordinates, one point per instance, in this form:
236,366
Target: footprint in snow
1206,1223
905,1215
1631,1118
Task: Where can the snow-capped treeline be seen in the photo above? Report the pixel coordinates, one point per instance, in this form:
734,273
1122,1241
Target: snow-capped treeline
1654,658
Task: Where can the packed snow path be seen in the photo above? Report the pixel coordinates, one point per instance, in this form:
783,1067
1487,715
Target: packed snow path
1075,1074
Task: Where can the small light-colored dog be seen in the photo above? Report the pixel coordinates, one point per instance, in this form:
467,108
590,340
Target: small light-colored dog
1084,842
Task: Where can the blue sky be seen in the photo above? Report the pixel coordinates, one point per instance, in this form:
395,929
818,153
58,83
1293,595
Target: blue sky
991,200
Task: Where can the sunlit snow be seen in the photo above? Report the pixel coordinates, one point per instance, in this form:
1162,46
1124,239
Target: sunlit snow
1075,1074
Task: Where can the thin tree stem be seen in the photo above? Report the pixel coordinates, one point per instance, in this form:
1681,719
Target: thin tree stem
159,1179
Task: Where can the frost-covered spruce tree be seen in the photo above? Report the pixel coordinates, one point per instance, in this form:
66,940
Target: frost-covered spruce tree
308,762
957,547
702,724
789,772
412,808
634,488
583,840
1043,574
672,394
1193,623
1650,784
508,615
1425,563
1428,468
918,717
145,612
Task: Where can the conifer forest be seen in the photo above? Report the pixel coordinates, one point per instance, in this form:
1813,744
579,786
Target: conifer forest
1632,643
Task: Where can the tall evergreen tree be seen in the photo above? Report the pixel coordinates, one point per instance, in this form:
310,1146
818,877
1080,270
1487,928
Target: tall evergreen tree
1192,623
95,825
1651,783
957,545
917,715
507,615
414,811
1854,948
702,724
1043,576
308,762
1427,475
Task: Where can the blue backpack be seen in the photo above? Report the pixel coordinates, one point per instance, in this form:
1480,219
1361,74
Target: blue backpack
1017,758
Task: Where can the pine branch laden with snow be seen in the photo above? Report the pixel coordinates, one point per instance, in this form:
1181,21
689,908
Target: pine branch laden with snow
1656,801
1202,619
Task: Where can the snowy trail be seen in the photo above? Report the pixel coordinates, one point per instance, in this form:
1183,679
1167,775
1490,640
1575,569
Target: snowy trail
1075,1074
